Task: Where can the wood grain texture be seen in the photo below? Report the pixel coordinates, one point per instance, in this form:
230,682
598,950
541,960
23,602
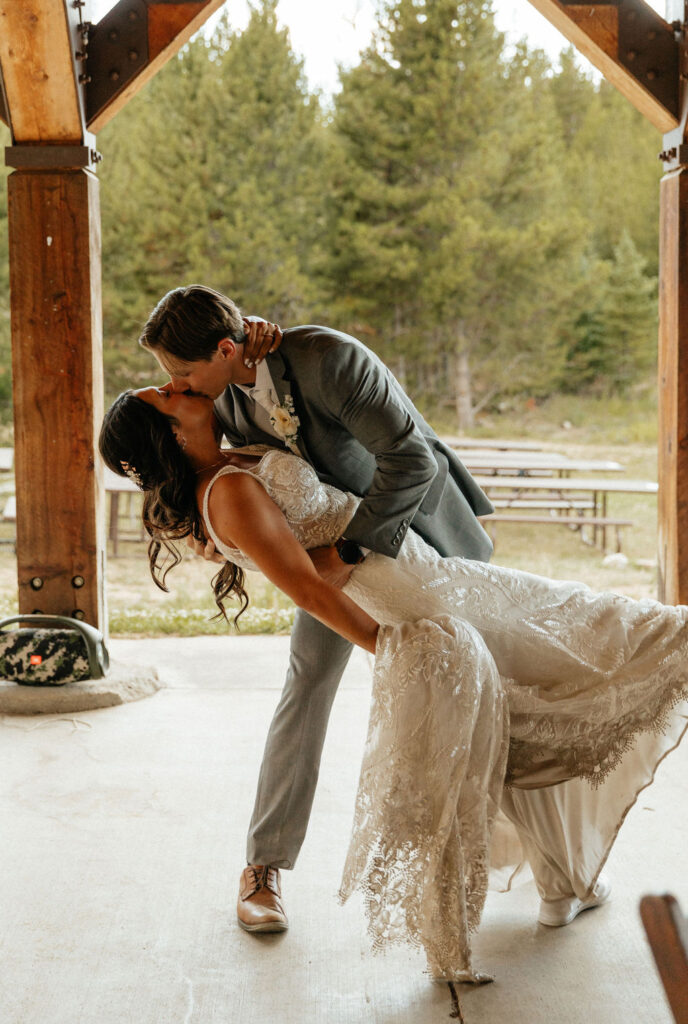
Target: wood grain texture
673,390
594,31
54,226
667,933
38,71
170,26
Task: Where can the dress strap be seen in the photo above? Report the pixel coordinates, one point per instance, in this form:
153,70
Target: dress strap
225,471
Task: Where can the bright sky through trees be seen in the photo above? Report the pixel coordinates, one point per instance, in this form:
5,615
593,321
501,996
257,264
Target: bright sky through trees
326,33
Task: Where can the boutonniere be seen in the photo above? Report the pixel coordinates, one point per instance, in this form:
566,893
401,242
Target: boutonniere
286,423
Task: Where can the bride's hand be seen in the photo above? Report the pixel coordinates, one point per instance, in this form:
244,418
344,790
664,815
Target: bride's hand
329,565
205,550
261,337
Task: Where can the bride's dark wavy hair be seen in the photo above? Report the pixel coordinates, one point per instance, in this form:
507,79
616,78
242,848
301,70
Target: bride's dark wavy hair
136,440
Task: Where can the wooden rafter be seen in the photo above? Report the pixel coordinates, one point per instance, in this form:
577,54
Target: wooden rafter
38,71
633,47
119,69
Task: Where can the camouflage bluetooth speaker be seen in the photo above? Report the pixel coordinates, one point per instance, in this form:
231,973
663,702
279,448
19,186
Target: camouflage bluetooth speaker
44,656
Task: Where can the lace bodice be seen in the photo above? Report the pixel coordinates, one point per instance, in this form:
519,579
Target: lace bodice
317,513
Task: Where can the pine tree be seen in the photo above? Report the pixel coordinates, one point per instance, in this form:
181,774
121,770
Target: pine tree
215,174
447,234
628,317
611,167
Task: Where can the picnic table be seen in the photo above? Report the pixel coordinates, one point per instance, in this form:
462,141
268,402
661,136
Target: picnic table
116,486
491,443
577,502
6,459
528,464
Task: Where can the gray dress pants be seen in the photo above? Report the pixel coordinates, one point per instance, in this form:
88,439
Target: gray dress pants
291,760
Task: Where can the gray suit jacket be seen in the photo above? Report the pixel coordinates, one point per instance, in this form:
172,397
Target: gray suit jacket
361,432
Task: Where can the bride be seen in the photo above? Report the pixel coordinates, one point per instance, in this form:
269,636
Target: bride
493,688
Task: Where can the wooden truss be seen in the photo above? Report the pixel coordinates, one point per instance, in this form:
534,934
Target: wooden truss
62,78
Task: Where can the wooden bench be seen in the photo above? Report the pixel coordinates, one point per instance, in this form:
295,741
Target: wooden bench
9,515
576,522
553,503
667,933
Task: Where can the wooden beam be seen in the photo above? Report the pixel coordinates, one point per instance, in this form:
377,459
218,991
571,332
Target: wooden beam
168,27
633,47
673,389
38,70
54,230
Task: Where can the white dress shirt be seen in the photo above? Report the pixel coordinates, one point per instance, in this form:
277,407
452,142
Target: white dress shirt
262,399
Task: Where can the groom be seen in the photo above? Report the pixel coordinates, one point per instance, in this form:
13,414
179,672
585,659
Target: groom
329,399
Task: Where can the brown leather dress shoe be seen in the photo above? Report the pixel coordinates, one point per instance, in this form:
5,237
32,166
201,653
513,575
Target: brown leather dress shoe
259,907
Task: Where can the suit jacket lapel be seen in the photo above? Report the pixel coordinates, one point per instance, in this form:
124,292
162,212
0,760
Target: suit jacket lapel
282,385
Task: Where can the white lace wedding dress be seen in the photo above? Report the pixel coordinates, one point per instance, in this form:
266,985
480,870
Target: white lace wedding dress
486,676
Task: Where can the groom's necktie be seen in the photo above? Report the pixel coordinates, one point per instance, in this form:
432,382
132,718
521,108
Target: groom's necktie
259,406
260,401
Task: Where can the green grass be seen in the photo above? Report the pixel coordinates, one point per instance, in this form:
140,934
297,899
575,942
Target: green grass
568,420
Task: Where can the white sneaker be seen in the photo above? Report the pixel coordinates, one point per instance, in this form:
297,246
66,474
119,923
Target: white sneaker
556,913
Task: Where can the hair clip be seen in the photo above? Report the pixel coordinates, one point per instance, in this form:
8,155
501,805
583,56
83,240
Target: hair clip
132,474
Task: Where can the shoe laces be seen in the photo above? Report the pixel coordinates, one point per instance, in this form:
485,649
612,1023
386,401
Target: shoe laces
263,876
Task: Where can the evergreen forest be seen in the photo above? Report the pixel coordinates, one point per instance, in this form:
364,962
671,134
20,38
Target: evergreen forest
485,220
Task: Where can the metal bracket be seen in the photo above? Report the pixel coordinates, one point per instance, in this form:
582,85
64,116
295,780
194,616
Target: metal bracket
674,157
40,156
117,50
651,53
647,47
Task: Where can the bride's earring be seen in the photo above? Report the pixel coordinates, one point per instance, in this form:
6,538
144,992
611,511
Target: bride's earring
181,441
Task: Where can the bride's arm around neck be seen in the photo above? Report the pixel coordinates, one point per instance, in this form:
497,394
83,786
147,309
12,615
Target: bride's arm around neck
244,516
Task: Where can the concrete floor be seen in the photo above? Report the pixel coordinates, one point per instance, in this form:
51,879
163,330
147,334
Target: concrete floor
122,839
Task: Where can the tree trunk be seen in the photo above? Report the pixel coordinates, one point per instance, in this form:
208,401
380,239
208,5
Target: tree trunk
462,385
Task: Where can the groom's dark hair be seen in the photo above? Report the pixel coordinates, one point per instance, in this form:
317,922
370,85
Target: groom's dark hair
188,323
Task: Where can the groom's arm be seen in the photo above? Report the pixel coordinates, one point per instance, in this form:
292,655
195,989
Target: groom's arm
361,394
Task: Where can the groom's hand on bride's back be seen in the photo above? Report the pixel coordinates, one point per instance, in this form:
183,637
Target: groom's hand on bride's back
261,337
329,565
206,549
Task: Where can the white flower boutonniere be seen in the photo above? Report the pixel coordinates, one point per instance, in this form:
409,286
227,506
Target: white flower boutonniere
286,423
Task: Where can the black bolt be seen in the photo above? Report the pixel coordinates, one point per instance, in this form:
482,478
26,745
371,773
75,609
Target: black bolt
81,55
133,15
85,79
36,583
133,55
652,34
113,35
78,614
114,75
37,611
651,75
78,581
631,55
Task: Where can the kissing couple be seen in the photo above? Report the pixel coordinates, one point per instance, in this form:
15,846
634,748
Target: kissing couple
493,688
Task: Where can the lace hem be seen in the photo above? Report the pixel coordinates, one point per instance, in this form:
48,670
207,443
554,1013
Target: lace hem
430,786
588,750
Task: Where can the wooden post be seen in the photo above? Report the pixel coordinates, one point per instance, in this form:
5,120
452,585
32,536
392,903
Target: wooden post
673,389
54,232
